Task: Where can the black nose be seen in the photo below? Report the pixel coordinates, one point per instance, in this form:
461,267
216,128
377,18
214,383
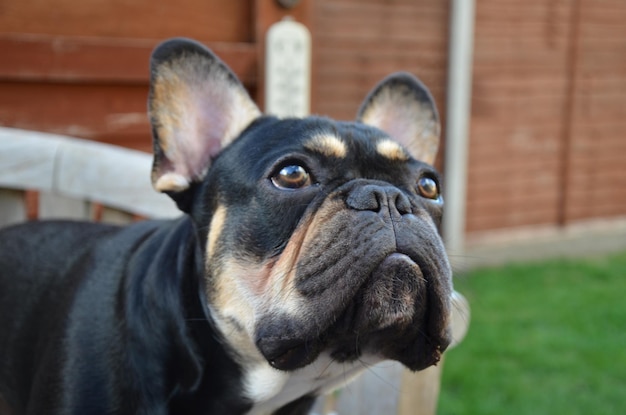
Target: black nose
377,198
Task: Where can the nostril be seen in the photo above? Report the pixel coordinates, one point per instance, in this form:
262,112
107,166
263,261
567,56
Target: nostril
374,198
402,203
365,198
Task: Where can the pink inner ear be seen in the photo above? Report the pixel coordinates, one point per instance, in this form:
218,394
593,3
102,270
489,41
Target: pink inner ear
198,114
188,143
397,123
407,121
209,114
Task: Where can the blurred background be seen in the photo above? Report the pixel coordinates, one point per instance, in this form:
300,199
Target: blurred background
539,220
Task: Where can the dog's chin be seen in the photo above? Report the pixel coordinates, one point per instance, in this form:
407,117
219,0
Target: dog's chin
397,317
418,353
415,352
291,355
394,317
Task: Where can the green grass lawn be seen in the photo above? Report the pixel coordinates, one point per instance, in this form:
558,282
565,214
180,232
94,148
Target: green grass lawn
544,338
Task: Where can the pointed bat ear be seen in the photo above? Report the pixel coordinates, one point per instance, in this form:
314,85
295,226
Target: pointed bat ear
197,106
402,106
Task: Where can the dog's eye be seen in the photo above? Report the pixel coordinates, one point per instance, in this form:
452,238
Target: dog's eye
292,177
428,188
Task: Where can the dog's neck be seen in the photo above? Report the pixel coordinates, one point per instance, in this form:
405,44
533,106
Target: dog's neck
271,389
264,388
174,322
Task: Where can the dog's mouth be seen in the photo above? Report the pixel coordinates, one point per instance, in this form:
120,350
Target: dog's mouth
398,314
290,354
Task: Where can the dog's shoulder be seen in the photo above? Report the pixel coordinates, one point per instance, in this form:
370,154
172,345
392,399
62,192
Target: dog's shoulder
58,244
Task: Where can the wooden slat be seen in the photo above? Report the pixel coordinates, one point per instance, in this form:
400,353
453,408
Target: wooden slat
383,381
526,199
519,97
12,210
499,218
420,390
100,60
56,206
115,114
597,154
358,43
116,216
215,20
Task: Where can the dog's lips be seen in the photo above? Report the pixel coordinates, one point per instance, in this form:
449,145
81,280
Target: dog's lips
392,296
394,315
284,354
426,351
399,315
392,306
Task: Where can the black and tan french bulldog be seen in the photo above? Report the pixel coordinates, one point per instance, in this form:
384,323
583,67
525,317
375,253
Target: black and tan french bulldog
308,249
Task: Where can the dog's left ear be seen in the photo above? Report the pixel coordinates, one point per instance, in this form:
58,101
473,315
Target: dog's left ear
197,106
402,106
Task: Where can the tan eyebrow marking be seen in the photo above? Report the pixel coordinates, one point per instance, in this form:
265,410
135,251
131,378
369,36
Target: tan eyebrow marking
391,150
327,145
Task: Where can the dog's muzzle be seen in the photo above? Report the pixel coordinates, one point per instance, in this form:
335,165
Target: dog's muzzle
375,280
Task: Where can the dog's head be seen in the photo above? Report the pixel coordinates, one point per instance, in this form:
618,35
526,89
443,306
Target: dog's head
318,235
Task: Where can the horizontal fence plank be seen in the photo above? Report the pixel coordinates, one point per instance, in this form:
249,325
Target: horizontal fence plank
12,208
101,60
56,206
115,114
115,216
202,19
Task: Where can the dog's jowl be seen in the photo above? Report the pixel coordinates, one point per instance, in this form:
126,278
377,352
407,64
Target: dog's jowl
308,249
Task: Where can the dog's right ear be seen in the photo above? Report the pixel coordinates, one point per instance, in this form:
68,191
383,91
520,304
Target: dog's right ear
197,106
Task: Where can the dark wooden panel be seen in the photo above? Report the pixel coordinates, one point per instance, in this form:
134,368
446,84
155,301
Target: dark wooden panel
358,43
519,101
492,142
212,20
597,210
502,218
89,60
597,154
82,69
109,113
517,193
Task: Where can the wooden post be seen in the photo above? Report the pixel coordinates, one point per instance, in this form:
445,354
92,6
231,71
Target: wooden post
55,206
419,392
12,208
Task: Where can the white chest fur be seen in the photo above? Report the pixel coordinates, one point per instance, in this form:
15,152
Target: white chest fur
270,388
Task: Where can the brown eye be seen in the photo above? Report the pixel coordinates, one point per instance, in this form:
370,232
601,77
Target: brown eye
292,177
428,188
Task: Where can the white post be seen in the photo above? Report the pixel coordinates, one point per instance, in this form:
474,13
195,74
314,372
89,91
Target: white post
457,122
